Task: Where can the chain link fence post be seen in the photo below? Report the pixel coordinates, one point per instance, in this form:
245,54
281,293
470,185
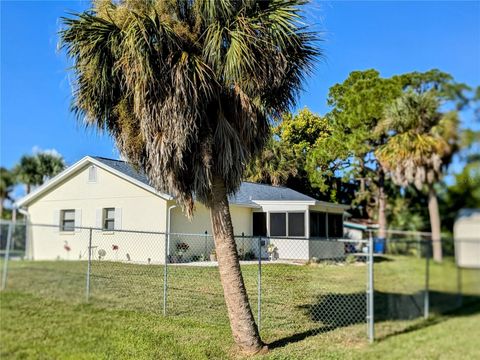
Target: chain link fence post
370,294
7,255
426,295
259,284
89,264
165,275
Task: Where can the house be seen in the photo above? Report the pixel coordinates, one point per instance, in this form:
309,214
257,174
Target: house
112,197
466,232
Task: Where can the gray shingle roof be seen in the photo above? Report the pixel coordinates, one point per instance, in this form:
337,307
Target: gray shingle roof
247,194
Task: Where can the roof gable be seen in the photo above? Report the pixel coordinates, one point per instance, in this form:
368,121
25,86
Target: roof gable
133,178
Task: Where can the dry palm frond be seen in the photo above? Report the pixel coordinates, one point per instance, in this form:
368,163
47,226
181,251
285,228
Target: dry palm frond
187,88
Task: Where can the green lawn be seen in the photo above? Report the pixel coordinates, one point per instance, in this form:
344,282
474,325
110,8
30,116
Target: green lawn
307,311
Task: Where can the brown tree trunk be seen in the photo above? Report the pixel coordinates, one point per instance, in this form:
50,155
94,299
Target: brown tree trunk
1,208
382,207
28,188
242,322
435,224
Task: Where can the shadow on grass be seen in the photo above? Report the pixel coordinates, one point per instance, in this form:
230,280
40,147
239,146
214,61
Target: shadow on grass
334,311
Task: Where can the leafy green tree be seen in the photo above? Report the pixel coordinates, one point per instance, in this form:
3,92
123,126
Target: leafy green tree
187,89
7,183
423,142
357,107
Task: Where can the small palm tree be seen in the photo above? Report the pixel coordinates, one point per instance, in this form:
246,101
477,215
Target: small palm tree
27,172
186,88
422,143
49,165
274,165
7,182
34,170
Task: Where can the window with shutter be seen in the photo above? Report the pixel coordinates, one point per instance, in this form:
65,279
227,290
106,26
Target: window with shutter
67,220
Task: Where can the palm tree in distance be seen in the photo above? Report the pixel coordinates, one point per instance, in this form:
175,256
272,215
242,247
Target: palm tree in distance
27,172
186,88
7,182
274,165
422,144
34,170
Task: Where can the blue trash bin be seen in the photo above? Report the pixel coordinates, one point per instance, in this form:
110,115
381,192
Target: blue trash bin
379,245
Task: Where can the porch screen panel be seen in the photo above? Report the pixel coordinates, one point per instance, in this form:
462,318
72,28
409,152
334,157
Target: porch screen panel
259,224
335,225
278,224
296,224
318,224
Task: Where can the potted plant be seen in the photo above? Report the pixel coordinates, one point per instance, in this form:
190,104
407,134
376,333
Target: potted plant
213,255
182,248
272,251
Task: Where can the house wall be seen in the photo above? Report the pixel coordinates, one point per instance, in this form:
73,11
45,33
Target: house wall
136,209
192,232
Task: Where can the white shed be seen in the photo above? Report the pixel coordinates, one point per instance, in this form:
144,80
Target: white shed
466,232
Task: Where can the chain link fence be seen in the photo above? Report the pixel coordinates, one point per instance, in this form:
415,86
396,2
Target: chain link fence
296,287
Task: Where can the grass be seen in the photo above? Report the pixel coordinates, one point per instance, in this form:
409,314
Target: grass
307,311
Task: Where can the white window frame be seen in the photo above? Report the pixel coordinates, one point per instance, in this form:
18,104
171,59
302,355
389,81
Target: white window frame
63,220
105,218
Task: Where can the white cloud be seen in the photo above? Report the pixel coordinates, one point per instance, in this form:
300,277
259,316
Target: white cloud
54,152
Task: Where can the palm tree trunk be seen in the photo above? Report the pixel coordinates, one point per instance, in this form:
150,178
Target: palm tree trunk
1,207
435,223
382,207
242,322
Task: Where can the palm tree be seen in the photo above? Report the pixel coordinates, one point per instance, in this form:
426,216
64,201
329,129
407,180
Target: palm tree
7,182
34,170
422,144
274,165
186,88
27,172
49,165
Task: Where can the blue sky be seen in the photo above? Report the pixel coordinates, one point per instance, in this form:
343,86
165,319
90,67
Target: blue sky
393,37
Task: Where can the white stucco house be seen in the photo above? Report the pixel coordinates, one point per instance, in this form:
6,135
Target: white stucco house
110,196
466,233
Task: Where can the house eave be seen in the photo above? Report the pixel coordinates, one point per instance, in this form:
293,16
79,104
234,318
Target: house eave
75,167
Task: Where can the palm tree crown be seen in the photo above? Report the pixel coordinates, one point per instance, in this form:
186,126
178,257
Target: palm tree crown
422,142
187,88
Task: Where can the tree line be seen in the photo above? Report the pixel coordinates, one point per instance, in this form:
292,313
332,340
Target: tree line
30,171
384,147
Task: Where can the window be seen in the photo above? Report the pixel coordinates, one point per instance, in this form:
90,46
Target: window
259,224
92,174
296,224
335,225
318,224
278,224
109,219
67,220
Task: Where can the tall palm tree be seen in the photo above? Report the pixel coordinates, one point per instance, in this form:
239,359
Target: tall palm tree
186,88
7,182
423,142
